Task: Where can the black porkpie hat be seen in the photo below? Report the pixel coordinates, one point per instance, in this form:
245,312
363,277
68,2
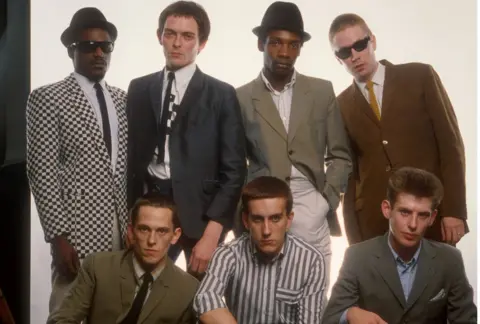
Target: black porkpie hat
87,18
282,16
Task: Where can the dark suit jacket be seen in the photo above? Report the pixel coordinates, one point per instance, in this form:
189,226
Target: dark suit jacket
207,150
104,290
418,128
369,279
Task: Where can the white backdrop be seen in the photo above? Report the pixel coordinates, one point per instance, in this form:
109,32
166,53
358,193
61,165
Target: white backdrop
438,32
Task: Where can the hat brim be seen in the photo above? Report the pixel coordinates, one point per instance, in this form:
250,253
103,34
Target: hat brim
259,30
68,36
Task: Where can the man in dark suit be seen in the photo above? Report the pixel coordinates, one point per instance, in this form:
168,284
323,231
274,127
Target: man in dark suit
401,277
395,115
77,152
186,137
139,285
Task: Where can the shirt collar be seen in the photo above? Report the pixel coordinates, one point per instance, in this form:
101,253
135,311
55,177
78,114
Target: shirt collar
279,256
397,257
378,78
87,84
139,272
288,86
183,75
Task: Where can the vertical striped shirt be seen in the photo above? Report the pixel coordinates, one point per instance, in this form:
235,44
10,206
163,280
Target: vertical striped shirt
289,289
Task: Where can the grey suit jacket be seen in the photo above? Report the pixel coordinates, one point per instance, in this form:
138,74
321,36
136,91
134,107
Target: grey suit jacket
316,137
104,290
369,279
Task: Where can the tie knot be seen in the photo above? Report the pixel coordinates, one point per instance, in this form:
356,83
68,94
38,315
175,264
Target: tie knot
147,278
97,86
171,76
369,84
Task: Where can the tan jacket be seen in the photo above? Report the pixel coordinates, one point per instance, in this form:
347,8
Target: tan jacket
316,137
104,290
418,128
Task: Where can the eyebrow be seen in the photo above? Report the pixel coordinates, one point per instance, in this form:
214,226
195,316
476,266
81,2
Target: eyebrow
270,216
183,33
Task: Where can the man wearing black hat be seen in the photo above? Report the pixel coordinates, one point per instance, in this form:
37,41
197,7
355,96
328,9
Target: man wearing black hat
76,152
186,137
294,128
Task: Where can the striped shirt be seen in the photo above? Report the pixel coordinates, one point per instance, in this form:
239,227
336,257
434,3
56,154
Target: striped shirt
289,289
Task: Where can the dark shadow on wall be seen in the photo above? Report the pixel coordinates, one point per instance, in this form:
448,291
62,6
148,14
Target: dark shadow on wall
14,191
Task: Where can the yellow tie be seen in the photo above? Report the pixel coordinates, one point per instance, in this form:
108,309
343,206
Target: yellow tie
373,99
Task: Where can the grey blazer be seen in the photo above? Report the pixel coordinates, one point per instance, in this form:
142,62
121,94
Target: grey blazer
316,136
369,279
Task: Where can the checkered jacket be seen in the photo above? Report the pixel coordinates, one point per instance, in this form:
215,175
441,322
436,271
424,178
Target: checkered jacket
68,167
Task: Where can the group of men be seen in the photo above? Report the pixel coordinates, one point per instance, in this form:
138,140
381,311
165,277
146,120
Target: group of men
125,181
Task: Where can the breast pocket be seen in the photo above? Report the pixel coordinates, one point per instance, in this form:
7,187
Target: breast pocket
287,304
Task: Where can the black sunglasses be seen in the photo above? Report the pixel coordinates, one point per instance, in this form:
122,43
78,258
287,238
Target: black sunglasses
345,52
91,46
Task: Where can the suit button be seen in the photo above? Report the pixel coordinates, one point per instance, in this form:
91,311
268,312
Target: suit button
384,142
388,168
290,152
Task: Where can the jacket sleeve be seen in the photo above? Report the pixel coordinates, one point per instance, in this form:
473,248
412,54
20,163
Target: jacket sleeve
232,164
43,162
450,146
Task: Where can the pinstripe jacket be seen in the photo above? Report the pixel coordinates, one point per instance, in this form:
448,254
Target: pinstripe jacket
69,170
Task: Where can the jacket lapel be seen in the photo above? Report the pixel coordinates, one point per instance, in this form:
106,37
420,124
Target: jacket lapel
425,272
120,107
388,86
158,291
264,105
127,284
387,268
302,102
155,90
363,104
88,117
191,96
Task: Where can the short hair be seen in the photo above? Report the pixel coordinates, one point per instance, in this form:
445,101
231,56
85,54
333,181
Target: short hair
187,9
154,200
416,182
265,187
347,20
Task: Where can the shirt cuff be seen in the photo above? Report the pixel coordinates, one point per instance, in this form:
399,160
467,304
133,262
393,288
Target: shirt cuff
343,318
207,301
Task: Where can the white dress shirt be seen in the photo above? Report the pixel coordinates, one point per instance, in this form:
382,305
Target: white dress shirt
179,87
90,92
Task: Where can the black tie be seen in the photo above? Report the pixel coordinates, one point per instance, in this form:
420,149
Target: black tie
134,312
105,122
164,119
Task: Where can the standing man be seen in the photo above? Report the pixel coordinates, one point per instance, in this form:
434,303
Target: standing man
77,151
186,137
294,128
395,115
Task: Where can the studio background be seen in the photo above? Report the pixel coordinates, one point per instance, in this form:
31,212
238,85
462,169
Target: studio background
439,32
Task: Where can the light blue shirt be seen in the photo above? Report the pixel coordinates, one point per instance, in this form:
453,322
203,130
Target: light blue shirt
406,272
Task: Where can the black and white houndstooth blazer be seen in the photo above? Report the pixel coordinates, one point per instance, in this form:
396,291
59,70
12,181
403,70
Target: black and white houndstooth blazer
69,170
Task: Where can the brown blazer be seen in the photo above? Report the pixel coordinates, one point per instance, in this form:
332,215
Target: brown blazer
316,137
369,279
104,290
418,128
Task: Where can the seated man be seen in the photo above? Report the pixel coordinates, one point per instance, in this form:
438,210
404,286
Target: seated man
267,275
402,277
112,287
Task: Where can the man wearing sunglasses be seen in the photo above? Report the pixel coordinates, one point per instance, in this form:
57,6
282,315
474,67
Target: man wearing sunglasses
395,116
76,152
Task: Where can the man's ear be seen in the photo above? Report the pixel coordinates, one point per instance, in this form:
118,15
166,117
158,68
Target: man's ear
159,36
130,235
386,208
433,217
201,46
290,219
245,220
176,235
261,45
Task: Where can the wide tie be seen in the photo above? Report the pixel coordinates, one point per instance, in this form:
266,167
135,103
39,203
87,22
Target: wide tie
373,99
105,122
134,312
163,131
